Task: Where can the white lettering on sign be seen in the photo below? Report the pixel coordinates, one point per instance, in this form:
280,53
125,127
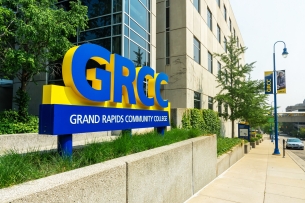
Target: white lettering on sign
107,119
81,119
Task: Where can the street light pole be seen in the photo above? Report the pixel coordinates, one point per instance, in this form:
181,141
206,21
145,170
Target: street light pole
271,131
284,54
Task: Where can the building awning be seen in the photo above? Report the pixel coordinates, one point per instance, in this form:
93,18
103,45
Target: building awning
5,83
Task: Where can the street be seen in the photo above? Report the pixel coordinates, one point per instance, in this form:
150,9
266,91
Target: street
298,152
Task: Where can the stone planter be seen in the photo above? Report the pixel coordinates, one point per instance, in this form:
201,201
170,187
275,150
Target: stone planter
174,172
252,144
247,148
257,142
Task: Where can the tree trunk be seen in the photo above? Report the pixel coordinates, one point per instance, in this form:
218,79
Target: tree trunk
22,99
233,129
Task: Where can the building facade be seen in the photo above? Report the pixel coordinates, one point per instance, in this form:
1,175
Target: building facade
189,32
124,27
178,37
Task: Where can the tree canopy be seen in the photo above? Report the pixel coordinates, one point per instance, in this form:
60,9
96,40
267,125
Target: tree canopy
243,96
33,35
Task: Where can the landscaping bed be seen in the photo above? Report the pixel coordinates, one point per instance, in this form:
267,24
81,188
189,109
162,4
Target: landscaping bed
17,168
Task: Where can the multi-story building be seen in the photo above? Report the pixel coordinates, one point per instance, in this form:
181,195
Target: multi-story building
125,27
189,32
177,37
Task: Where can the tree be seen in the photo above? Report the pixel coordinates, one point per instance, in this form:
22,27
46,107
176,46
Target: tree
138,61
33,35
231,79
254,108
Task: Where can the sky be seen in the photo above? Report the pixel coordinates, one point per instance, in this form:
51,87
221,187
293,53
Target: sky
262,23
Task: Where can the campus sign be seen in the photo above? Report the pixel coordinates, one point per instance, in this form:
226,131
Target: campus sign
268,82
101,99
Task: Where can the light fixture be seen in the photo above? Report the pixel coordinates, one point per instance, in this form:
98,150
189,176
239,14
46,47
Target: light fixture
285,53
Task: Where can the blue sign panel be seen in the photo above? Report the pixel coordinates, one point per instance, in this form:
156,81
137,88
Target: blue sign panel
244,131
56,119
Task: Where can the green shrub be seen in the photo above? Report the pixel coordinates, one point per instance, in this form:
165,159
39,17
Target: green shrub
197,121
9,123
186,120
205,120
252,139
212,121
225,144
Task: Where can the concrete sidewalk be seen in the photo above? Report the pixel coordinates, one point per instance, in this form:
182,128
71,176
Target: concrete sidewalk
258,177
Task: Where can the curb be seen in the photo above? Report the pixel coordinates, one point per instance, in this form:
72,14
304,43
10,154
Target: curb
300,162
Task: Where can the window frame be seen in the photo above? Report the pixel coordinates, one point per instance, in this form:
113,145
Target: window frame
209,19
225,12
196,100
218,68
198,48
210,103
218,34
198,9
225,44
219,108
210,62
167,34
218,3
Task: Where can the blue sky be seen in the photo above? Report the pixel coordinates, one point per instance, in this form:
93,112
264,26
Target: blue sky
262,23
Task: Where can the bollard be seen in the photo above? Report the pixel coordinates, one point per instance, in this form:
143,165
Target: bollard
283,148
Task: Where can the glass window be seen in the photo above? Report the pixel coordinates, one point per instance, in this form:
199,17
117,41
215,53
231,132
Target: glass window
210,62
116,29
126,47
225,44
146,3
126,31
138,55
218,3
209,19
225,12
97,7
197,100
218,34
226,109
99,22
126,20
210,103
226,72
139,13
237,42
219,67
135,37
116,45
197,5
234,32
230,24
219,108
117,5
126,6
117,18
106,43
167,48
167,44
94,34
196,50
138,29
167,18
